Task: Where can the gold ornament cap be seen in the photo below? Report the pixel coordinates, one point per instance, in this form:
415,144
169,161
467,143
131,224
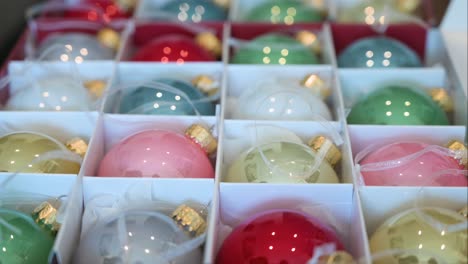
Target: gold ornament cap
45,215
408,6
460,151
223,3
464,211
316,84
77,145
442,98
202,137
206,84
191,221
309,39
337,257
209,42
109,38
333,155
95,87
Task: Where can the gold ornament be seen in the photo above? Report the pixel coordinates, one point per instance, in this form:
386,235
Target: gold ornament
209,42
309,39
441,97
408,6
46,216
205,84
337,257
203,137
96,87
189,220
333,155
109,38
78,146
317,85
418,241
460,151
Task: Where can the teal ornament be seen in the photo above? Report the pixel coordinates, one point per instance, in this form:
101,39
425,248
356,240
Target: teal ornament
274,48
397,105
22,241
378,52
284,12
145,100
194,10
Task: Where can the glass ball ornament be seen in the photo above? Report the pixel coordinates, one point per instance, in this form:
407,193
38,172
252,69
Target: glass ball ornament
284,12
276,236
160,153
156,101
173,48
397,105
274,48
80,46
114,8
417,241
136,237
194,10
60,92
284,100
378,52
285,162
22,241
369,11
412,164
21,151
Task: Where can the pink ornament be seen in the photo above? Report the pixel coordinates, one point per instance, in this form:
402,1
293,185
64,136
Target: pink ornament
157,153
279,236
411,164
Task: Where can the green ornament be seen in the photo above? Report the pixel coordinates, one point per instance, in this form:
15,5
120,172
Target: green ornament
284,12
274,48
22,241
397,105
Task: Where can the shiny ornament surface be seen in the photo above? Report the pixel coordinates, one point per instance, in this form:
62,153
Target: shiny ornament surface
397,105
284,12
280,101
194,10
411,164
52,93
276,237
111,8
280,162
154,101
172,48
274,48
135,237
81,46
370,11
408,231
21,240
156,153
19,153
378,52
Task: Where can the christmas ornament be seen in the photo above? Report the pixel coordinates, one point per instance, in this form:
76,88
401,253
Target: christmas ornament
284,12
276,99
418,241
21,240
114,8
286,162
378,52
274,48
174,48
152,100
194,10
414,164
160,153
79,47
277,236
370,11
136,237
45,215
59,92
28,152
398,105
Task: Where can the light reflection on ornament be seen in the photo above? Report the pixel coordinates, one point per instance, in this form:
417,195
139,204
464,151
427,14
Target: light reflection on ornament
195,11
285,12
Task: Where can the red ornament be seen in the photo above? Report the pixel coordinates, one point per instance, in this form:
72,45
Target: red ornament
109,9
172,48
276,237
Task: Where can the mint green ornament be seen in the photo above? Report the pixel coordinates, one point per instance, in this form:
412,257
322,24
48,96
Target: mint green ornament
284,12
274,48
22,241
397,105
